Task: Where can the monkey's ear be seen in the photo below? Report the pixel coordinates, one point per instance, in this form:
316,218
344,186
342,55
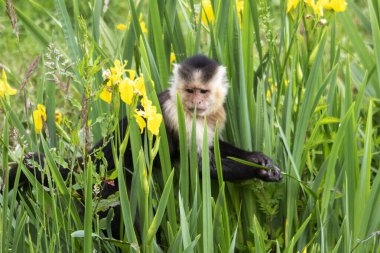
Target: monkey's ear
222,70
175,68
221,76
176,72
175,76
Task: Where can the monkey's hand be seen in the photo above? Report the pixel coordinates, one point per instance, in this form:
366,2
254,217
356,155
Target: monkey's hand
32,160
271,173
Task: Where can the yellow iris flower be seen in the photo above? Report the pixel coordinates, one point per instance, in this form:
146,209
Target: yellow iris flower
337,5
320,5
143,25
58,117
132,74
154,123
207,12
172,57
39,117
239,6
141,122
117,72
291,5
5,88
153,118
139,86
106,94
129,88
121,27
126,91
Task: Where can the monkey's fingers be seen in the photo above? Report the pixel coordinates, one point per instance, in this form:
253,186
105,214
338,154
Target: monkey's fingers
271,175
32,159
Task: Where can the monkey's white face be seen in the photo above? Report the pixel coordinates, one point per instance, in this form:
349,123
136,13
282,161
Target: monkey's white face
197,96
206,97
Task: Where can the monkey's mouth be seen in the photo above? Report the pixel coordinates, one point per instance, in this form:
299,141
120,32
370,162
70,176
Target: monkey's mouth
200,111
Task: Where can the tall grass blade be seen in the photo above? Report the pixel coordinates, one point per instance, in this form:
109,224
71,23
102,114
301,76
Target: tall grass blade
375,26
96,16
4,201
259,236
186,239
207,233
364,180
88,209
184,158
70,36
157,37
42,37
161,208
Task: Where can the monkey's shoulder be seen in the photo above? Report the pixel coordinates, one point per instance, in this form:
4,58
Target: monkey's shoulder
163,97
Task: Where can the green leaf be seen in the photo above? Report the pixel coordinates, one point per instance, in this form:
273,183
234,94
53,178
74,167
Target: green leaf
207,231
160,209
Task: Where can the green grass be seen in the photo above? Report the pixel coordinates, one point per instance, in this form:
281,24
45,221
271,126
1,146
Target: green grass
304,92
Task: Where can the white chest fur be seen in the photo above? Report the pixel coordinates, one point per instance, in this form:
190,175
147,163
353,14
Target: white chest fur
171,121
199,132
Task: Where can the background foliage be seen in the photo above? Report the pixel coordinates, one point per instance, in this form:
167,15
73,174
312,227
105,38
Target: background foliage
304,89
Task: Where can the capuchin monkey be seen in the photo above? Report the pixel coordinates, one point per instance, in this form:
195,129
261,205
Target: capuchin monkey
202,85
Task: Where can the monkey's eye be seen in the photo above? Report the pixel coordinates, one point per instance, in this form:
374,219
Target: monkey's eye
189,90
204,91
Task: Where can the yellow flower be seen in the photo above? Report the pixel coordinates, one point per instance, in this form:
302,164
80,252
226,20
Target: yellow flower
142,24
147,104
141,122
106,94
121,27
207,12
172,57
127,87
271,90
117,71
39,116
5,88
58,117
291,5
337,5
320,5
153,118
132,74
42,108
239,10
239,6
126,91
154,123
140,86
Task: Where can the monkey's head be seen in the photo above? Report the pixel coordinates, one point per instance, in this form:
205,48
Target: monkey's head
201,83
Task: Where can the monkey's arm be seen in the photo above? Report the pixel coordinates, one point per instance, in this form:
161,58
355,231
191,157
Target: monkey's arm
233,171
35,162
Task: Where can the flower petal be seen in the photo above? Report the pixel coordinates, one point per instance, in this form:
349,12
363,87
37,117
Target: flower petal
5,88
126,91
140,86
37,118
121,27
154,123
58,117
106,95
141,122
